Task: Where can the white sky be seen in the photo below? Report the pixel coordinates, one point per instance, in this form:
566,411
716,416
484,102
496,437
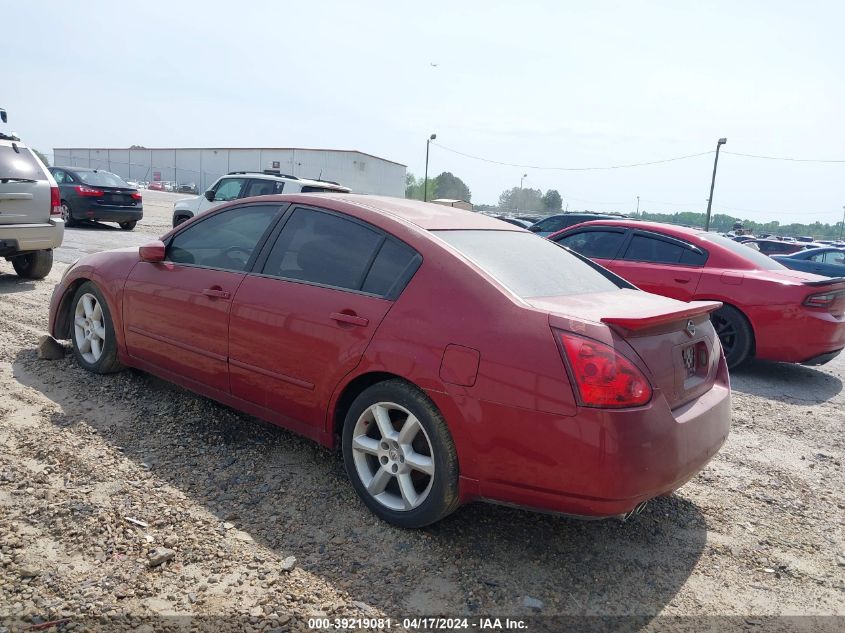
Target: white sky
542,83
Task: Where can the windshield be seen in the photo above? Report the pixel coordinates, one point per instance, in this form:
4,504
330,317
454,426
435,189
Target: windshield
527,265
101,179
758,259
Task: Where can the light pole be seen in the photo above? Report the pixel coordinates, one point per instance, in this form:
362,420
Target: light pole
425,182
721,142
841,226
519,195
638,206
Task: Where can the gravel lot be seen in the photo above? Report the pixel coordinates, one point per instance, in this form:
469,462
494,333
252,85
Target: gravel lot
99,473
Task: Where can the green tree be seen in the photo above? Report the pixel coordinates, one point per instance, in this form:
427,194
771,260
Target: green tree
42,157
447,185
552,202
517,199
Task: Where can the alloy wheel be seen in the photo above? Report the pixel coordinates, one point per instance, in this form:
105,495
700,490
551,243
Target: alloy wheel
393,456
726,332
89,328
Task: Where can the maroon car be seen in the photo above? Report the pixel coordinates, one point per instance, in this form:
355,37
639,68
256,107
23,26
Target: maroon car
422,339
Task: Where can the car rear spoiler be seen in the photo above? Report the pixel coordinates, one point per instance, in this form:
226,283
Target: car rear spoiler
826,282
646,321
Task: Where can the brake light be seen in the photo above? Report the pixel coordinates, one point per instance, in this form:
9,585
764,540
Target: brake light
55,201
604,378
833,302
88,192
136,196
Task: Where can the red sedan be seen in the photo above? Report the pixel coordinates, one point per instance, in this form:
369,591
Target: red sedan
451,355
768,311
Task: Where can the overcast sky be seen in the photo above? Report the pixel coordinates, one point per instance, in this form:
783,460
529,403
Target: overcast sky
557,83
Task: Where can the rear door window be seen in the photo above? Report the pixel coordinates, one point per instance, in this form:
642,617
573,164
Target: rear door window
595,244
263,187
658,250
19,164
225,240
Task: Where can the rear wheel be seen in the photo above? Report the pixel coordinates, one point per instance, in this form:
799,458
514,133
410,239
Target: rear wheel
400,456
34,265
67,214
734,333
92,331
128,226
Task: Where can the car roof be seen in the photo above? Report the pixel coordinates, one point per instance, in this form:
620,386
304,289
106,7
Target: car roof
668,229
425,215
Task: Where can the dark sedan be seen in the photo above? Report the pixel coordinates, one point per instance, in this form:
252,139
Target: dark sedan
95,194
829,262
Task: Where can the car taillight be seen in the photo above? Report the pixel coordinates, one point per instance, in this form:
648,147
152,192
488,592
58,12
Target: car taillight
88,192
833,302
55,201
136,196
604,378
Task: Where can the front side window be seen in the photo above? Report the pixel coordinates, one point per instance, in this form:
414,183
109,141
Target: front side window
324,249
226,240
229,189
594,244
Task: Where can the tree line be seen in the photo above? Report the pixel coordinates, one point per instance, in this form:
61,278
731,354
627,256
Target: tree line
447,185
723,223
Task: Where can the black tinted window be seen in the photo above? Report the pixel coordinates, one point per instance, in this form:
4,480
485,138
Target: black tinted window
595,244
393,267
528,265
324,249
101,179
549,225
263,188
649,249
226,240
20,164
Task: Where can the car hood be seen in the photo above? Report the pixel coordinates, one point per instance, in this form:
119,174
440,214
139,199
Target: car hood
190,204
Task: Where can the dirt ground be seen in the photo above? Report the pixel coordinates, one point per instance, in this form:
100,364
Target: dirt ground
97,472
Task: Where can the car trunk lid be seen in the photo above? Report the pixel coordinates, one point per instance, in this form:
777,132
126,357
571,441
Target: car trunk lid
673,340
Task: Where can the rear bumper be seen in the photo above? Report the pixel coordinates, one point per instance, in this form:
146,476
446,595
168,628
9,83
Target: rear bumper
23,238
109,213
598,463
795,334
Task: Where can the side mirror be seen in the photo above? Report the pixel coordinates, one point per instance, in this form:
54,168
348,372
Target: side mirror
209,195
152,252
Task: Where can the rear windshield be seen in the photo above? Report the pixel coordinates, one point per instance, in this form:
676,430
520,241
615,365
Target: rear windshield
101,179
528,265
754,256
20,164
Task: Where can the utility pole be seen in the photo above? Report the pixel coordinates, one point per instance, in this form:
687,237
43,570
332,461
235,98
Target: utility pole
841,226
519,195
425,182
721,142
638,206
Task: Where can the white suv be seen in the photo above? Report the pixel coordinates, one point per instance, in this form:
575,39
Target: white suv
245,184
31,223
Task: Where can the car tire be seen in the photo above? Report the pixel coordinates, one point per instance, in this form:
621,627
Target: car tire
67,214
734,333
128,226
399,455
33,265
92,331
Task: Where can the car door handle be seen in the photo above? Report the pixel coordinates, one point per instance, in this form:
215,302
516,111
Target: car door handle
682,280
352,319
217,293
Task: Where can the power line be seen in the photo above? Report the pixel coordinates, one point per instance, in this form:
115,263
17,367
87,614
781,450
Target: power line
496,162
793,160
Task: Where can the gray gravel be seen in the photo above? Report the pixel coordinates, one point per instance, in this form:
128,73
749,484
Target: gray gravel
757,533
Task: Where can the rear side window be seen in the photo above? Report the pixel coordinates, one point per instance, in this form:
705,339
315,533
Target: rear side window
393,267
317,189
594,244
263,188
657,251
226,240
19,164
527,265
101,179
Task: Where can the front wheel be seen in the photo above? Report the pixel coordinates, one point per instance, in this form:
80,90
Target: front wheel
33,265
128,226
734,333
400,456
92,331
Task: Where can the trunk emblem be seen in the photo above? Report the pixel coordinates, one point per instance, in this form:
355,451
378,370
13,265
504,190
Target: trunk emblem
690,329
689,360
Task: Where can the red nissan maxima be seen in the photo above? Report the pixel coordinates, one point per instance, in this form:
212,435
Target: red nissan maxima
768,311
452,356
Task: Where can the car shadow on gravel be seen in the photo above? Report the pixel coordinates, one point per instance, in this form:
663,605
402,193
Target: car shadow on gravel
786,382
91,224
11,283
292,497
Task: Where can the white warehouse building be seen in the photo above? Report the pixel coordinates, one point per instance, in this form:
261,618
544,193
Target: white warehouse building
362,173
